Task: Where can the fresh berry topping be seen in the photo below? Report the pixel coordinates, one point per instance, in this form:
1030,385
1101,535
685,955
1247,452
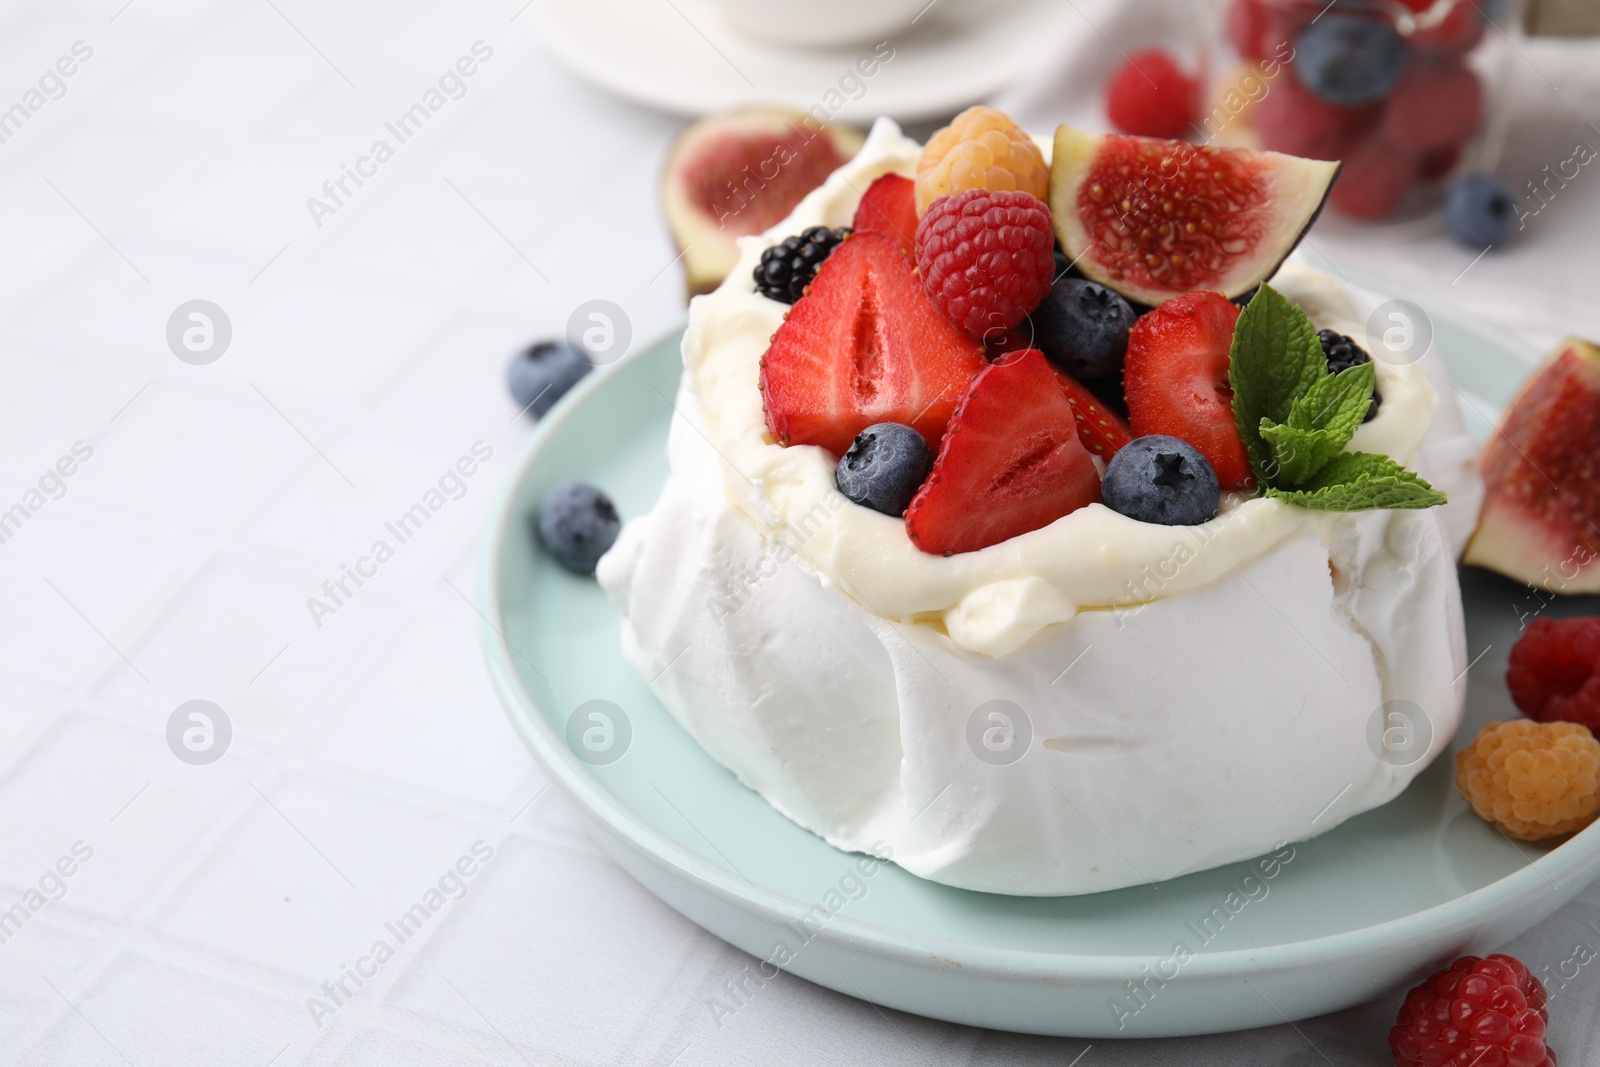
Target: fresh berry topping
1151,96
789,266
577,525
884,468
1480,209
1436,105
980,149
1343,354
1063,265
1176,380
1101,430
1474,1013
1532,780
889,207
1293,120
1083,328
1376,178
1555,671
1350,59
1011,462
1243,299
865,345
542,373
1161,480
986,258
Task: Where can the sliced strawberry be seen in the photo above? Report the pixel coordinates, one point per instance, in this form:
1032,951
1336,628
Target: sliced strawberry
864,345
1010,463
890,207
1100,429
1176,378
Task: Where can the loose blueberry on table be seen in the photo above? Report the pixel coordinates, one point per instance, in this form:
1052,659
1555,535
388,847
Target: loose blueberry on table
1480,210
543,372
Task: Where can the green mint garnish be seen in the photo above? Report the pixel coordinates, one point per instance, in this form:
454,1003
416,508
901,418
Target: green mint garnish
1296,418
1356,481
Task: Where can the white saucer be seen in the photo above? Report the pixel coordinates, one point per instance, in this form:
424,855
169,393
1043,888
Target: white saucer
680,56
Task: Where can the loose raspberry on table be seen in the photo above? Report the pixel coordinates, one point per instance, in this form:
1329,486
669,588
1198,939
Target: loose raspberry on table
1483,1012
980,149
1555,671
1532,780
1151,96
986,258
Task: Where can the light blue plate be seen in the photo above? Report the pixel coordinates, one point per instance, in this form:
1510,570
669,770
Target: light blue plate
1356,913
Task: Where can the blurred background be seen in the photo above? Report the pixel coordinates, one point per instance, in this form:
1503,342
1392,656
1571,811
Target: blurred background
266,262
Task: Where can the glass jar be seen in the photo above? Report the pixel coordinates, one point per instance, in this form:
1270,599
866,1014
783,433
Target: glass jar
1400,90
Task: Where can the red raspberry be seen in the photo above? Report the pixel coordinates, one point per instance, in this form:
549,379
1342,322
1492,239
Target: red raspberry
1489,1013
1151,96
985,258
1554,674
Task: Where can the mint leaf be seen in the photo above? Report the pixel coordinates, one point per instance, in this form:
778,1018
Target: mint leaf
1358,481
1295,454
1275,360
1320,424
1337,402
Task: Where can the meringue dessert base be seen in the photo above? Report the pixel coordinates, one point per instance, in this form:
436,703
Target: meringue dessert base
1167,737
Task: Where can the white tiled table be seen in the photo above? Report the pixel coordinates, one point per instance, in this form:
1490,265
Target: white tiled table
369,755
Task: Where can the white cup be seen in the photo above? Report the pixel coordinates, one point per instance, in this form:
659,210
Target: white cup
821,23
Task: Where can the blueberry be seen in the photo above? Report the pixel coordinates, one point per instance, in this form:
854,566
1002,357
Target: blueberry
1350,60
542,373
1480,209
577,525
1083,327
884,468
1243,299
1064,265
1161,480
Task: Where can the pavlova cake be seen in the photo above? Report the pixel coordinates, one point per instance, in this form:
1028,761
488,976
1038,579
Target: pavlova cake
1030,516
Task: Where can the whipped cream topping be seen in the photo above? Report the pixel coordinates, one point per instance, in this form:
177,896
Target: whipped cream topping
994,600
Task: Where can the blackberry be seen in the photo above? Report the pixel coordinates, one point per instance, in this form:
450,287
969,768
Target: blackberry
788,266
1343,354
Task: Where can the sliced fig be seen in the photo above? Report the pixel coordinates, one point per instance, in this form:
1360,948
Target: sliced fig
1540,522
740,173
1155,219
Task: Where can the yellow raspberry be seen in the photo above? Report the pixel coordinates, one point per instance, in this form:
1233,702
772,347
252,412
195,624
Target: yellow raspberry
980,149
1532,779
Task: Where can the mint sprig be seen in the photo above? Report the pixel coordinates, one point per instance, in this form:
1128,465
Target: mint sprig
1295,417
1357,481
